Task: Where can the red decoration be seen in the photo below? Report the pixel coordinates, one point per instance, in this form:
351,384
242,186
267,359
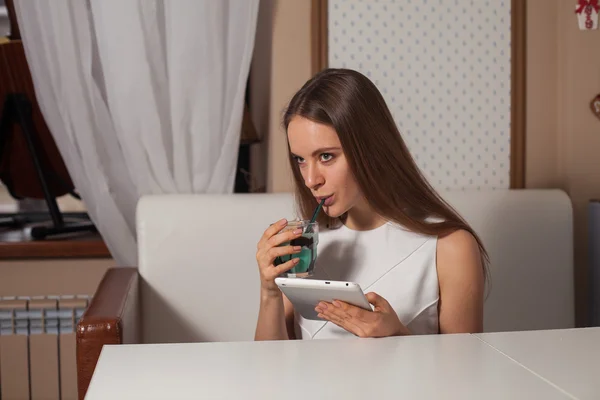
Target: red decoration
584,3
587,11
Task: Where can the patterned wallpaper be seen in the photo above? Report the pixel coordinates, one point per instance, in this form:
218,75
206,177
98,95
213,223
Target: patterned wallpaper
443,67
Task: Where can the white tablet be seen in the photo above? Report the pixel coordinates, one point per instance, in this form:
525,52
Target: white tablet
305,294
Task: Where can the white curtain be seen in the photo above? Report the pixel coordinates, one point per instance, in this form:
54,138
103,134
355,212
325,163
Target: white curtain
141,96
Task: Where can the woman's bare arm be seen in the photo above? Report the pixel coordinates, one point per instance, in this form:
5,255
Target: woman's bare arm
461,281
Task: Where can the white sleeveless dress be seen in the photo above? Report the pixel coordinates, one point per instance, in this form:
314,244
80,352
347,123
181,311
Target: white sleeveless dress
391,261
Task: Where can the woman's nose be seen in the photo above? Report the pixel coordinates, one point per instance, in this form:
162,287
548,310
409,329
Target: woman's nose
314,178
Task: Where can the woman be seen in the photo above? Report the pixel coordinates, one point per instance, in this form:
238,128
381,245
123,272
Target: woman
383,225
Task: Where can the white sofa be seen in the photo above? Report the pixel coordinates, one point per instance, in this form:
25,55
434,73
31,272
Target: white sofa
200,279
197,278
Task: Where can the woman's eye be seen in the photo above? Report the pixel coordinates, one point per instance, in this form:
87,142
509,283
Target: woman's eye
299,160
326,157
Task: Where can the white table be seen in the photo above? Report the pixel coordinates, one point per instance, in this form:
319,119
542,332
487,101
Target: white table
420,367
568,359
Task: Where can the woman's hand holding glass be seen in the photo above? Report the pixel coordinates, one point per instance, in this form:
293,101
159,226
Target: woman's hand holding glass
269,248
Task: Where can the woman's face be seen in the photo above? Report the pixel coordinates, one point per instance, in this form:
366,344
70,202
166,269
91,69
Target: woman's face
317,150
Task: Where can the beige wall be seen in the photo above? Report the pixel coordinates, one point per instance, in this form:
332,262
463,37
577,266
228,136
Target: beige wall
52,277
292,68
286,57
563,136
542,169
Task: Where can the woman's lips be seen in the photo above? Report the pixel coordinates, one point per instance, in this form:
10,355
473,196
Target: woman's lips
328,201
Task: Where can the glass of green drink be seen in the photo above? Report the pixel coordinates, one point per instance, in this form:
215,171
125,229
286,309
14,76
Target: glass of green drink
308,254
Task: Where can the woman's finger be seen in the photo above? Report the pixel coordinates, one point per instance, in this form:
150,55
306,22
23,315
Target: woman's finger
271,231
353,319
283,237
378,302
345,322
275,252
342,308
286,266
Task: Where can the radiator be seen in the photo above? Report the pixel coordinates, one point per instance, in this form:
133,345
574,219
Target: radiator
37,347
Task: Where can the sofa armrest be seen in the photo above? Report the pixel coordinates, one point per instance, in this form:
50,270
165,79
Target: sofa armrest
111,318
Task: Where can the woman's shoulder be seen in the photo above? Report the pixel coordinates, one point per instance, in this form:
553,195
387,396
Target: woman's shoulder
458,243
458,255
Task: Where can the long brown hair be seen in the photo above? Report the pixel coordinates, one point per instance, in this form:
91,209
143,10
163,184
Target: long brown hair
380,161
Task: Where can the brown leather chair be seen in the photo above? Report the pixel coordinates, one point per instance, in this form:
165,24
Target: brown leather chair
113,317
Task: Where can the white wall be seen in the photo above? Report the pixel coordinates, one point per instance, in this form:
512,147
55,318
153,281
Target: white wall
444,69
